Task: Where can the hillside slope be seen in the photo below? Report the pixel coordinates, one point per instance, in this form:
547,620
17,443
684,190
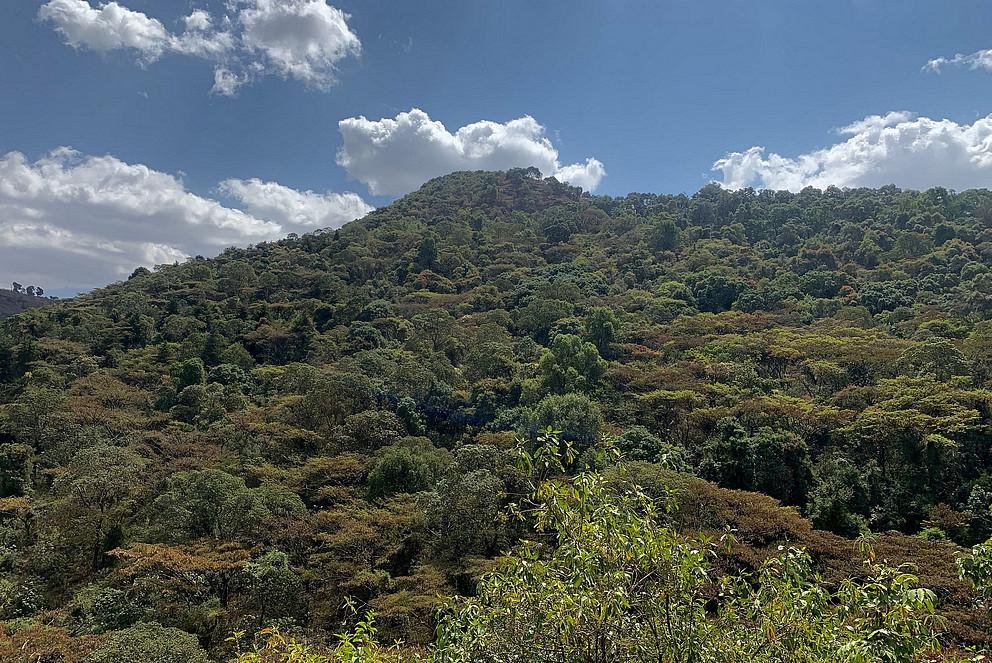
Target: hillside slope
259,436
12,303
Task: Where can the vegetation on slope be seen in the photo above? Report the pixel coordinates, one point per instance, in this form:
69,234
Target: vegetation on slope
254,439
606,578
13,302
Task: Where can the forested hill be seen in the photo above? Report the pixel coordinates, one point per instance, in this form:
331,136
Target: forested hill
254,438
12,302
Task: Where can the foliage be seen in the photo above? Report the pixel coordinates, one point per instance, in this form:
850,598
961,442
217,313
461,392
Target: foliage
607,580
149,643
976,567
253,438
357,645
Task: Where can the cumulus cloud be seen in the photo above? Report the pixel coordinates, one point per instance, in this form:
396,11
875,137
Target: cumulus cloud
302,39
977,60
295,209
198,21
585,175
396,155
898,148
74,222
106,28
299,39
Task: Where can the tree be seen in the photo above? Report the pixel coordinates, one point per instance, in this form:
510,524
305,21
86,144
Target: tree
16,468
602,327
188,373
571,364
95,495
275,588
38,418
539,315
839,498
663,234
149,643
178,579
770,461
406,469
205,404
215,504
559,223
976,567
427,252
935,356
465,516
977,349
716,292
575,416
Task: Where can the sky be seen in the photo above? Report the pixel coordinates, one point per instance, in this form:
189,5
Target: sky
142,132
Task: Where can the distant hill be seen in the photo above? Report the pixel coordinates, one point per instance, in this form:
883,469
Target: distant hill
12,303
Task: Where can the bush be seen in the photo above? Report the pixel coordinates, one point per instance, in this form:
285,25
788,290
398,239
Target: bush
149,643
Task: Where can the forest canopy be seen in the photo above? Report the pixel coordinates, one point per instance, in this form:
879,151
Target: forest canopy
287,438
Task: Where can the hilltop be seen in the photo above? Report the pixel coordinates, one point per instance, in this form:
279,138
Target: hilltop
257,437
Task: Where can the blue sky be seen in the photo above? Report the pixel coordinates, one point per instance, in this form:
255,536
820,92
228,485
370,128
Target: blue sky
656,92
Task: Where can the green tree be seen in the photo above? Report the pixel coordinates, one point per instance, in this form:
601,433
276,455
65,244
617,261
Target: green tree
188,373
602,327
773,462
464,515
212,503
95,495
934,356
275,588
406,468
149,643
716,292
976,567
427,252
576,416
839,498
663,234
571,364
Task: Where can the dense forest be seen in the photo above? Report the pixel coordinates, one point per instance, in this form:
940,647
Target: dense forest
500,408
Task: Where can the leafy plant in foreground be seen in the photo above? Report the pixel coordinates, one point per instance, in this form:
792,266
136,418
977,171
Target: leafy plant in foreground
607,580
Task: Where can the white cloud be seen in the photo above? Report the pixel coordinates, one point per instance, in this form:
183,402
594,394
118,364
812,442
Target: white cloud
227,82
898,148
396,155
585,175
198,21
300,39
109,27
977,60
297,210
73,222
216,46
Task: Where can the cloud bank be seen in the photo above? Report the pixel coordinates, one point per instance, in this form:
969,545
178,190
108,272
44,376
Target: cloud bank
74,221
394,156
299,39
898,148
